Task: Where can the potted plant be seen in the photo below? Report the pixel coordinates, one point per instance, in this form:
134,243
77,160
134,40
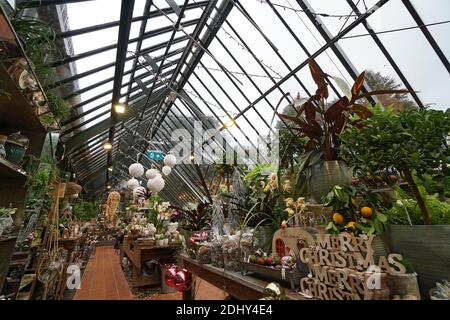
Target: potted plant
414,143
321,123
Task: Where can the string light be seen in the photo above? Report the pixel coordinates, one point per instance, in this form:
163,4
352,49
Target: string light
230,36
325,15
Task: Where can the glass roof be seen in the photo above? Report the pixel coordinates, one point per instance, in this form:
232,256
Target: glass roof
224,60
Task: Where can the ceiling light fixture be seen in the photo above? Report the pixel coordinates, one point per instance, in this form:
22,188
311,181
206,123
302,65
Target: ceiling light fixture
120,108
107,146
230,124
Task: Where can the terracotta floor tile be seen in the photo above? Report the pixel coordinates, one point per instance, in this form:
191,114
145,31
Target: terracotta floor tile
103,278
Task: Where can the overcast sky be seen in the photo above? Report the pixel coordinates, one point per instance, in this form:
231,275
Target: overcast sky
409,48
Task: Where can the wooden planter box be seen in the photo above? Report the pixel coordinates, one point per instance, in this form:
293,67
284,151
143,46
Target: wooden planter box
428,250
292,278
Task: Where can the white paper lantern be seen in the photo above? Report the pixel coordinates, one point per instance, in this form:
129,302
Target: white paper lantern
170,160
132,184
151,173
138,192
136,170
166,170
156,185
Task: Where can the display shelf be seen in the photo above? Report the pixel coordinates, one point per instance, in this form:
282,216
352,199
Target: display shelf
9,171
16,113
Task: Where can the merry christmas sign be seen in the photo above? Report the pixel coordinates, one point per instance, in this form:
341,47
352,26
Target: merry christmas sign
343,267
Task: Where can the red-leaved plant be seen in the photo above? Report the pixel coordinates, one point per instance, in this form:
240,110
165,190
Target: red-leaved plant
322,123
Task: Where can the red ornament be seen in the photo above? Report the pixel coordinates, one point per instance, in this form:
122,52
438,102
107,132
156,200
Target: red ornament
183,280
170,275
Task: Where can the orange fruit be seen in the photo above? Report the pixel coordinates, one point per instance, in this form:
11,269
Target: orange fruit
351,224
338,218
366,212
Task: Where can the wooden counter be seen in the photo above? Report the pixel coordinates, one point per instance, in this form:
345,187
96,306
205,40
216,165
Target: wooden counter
139,254
234,283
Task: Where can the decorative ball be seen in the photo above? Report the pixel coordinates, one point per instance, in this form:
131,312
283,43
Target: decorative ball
138,192
170,274
136,170
151,173
166,170
273,291
183,280
132,184
170,160
156,185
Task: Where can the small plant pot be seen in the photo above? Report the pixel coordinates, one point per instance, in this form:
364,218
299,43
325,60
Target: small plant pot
160,243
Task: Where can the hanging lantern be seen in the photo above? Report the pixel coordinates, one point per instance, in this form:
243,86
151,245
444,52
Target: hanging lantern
183,280
166,170
136,170
155,185
132,184
170,160
151,173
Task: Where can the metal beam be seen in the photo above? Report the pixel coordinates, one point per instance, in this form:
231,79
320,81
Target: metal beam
46,3
388,56
151,14
325,47
206,40
427,34
106,124
335,47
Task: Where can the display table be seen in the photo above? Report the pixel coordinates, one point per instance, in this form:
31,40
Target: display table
71,244
138,254
234,283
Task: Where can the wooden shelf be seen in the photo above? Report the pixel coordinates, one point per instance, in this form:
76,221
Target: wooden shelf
16,113
10,171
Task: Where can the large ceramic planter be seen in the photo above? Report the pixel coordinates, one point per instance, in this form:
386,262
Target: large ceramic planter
325,176
14,152
427,248
15,147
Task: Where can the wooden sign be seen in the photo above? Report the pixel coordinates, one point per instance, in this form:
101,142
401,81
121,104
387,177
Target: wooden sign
61,190
342,267
155,155
289,241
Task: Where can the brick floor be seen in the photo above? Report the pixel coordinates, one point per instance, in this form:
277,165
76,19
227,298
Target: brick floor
104,279
205,291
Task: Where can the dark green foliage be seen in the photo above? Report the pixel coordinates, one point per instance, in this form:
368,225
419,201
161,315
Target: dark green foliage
85,210
410,140
439,210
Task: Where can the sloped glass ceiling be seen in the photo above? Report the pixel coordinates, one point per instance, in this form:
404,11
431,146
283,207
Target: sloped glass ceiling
225,61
